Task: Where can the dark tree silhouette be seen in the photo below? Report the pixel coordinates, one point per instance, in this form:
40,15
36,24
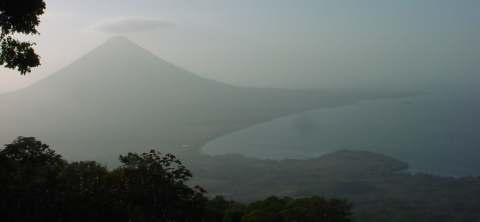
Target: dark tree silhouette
19,17
153,188
219,209
29,176
310,209
36,184
86,194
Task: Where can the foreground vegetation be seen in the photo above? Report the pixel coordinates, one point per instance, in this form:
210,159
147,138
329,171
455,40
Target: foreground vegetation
36,184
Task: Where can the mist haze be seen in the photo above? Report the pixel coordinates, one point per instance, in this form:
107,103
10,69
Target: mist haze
240,111
303,44
122,96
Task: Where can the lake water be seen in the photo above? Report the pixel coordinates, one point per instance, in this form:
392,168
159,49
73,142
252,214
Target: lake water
435,133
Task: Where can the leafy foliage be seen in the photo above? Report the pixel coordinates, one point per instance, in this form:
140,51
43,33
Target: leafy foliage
275,209
311,209
153,188
29,172
19,17
36,184
219,209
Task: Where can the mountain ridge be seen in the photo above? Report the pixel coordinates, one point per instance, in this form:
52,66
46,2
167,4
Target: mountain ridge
121,97
117,55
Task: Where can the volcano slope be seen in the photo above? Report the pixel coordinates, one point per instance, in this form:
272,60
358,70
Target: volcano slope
121,98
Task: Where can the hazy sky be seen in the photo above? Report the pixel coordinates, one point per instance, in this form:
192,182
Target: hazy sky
280,43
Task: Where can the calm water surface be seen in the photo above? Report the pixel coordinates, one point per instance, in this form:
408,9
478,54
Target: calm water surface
435,133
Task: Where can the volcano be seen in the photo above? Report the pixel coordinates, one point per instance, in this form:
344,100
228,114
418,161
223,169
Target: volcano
120,97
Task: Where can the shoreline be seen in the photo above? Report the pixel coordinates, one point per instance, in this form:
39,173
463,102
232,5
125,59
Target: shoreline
202,146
